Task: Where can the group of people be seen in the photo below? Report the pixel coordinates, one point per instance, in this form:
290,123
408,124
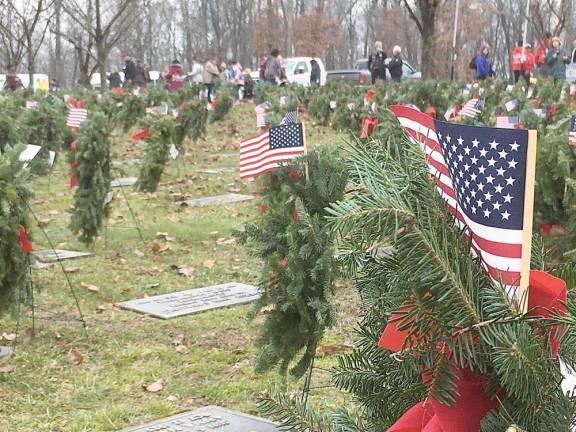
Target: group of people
548,60
231,72
378,63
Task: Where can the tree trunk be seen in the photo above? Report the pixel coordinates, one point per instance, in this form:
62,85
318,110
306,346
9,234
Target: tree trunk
428,19
57,70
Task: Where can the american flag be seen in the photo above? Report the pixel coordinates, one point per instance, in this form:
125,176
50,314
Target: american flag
261,115
472,108
289,118
507,122
540,112
266,151
511,104
572,133
31,104
481,174
449,112
75,117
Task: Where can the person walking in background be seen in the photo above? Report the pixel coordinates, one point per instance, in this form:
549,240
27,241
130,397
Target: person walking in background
483,64
114,80
141,77
540,54
273,73
174,75
248,85
315,73
556,60
12,82
377,63
528,63
129,70
210,74
236,77
517,59
395,64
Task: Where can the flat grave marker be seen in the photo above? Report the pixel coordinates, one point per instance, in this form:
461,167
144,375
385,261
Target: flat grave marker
5,351
127,162
123,182
53,255
227,155
176,304
214,200
219,170
208,419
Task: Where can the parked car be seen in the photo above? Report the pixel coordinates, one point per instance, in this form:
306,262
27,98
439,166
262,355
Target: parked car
297,70
361,75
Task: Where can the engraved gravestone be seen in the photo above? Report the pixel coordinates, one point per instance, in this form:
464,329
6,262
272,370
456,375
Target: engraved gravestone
214,200
218,170
123,182
52,255
208,419
172,305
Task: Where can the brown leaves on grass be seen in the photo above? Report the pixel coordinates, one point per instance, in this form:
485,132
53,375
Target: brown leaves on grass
76,357
90,287
155,387
326,350
221,241
184,270
7,369
208,263
8,336
72,270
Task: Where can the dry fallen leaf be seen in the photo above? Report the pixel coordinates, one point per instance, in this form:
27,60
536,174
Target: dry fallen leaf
326,350
8,369
182,349
165,248
43,223
53,212
71,269
225,240
208,263
41,266
156,386
138,253
186,271
164,236
90,287
76,357
155,247
9,336
55,365
178,339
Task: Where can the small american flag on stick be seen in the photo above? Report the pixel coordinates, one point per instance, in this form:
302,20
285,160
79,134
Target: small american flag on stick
572,133
472,108
289,118
75,117
486,176
267,151
507,122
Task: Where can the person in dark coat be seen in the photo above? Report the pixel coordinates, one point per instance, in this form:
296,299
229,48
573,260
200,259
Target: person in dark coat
395,64
141,77
129,70
556,60
114,80
315,72
377,63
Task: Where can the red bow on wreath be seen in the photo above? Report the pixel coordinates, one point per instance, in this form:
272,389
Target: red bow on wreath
368,124
546,294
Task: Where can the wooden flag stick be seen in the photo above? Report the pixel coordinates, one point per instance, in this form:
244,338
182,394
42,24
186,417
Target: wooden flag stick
305,150
530,179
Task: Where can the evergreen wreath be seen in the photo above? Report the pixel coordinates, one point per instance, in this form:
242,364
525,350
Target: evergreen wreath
223,104
93,175
157,151
191,124
15,193
291,237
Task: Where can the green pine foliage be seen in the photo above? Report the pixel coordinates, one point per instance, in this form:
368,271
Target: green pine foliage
297,277
15,193
192,118
131,110
93,173
452,302
157,151
224,102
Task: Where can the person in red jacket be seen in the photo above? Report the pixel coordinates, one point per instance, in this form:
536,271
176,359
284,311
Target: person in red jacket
174,76
540,53
528,63
516,60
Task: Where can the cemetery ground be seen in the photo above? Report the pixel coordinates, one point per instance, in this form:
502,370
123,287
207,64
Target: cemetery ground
135,368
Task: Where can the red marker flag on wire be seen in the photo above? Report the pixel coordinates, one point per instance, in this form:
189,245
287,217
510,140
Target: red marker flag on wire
24,242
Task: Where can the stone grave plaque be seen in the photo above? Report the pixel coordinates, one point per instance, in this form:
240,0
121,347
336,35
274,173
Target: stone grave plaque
123,182
208,419
172,305
5,351
214,200
53,255
227,155
219,170
127,162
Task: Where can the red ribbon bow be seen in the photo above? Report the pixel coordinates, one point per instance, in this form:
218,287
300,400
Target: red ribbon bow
141,135
24,243
368,124
547,294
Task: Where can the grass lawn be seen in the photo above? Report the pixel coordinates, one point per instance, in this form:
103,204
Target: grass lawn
65,382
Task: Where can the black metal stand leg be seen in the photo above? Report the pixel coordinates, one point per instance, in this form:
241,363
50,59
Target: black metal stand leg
132,214
307,383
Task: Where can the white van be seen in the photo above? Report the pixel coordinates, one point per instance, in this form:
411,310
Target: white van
298,70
